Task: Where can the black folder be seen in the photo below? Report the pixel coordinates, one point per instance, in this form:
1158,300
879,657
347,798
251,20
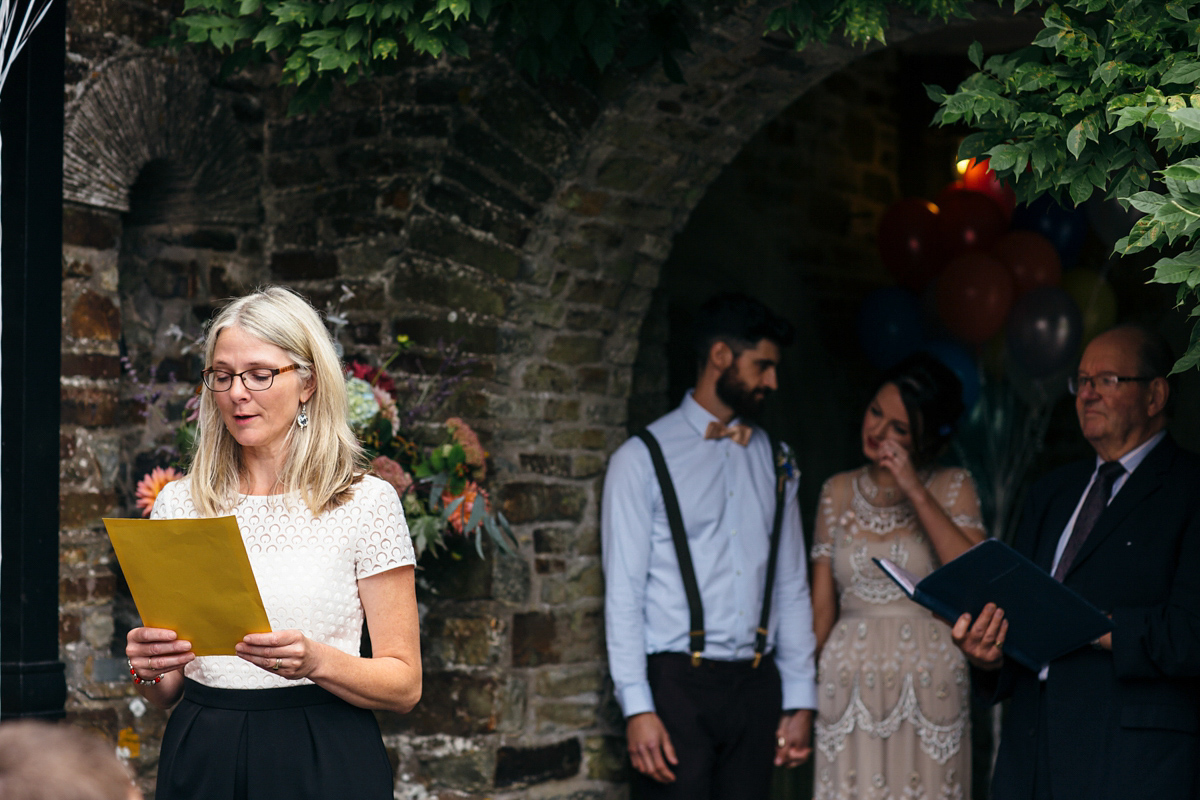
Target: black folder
1045,618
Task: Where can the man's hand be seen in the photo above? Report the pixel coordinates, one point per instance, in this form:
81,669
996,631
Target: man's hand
981,641
794,744
650,747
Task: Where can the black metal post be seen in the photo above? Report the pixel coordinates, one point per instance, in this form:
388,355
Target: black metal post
32,679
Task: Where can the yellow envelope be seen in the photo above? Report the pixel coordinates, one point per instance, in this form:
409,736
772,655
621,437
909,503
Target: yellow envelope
193,577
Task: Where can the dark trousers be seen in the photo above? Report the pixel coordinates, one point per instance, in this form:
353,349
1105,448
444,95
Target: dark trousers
721,717
1041,769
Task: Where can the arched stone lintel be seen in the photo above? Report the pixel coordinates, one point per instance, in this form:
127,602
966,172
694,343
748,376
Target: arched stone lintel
149,107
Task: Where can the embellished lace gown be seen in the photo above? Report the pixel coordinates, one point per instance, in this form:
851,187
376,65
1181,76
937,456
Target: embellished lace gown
892,717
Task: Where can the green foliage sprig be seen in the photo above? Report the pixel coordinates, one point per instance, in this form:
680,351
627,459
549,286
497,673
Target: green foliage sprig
317,42
1106,100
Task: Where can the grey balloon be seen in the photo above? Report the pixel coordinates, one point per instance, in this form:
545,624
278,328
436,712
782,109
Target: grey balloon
1044,331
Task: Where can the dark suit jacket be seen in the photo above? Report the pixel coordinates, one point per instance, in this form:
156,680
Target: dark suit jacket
1122,724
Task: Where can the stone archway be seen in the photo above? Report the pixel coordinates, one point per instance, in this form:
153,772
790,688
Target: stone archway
456,201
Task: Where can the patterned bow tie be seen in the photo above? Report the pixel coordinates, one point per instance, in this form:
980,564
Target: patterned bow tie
739,433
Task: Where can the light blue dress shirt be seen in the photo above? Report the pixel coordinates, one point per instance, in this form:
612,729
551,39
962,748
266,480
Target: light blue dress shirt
727,499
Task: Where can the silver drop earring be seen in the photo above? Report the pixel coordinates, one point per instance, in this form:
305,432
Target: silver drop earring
302,417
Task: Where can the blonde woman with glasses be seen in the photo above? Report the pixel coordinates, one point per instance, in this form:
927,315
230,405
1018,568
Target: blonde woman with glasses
291,714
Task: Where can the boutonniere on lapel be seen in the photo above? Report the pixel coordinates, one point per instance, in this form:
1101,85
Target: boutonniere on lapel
785,464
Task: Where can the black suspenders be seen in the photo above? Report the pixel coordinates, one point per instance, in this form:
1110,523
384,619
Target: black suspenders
684,555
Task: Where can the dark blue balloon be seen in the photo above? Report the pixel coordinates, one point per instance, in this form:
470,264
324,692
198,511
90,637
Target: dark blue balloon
963,364
1044,331
1066,228
889,326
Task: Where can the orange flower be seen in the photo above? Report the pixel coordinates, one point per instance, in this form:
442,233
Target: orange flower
462,514
150,485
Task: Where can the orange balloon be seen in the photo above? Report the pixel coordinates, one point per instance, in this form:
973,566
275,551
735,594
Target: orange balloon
1031,258
980,177
974,294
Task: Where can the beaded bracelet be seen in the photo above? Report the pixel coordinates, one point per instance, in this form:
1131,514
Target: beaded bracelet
138,680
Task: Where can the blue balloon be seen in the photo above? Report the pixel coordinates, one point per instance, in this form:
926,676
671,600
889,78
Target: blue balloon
963,364
889,326
1066,228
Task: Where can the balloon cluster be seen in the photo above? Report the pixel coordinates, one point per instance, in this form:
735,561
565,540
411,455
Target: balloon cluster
977,273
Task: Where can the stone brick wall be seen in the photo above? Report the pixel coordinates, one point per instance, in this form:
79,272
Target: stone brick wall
456,201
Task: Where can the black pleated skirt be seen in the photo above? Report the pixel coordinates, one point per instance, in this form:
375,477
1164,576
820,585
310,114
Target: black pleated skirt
300,742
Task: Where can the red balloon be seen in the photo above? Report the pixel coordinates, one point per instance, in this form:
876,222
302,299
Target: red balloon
1031,258
974,294
909,243
968,221
980,177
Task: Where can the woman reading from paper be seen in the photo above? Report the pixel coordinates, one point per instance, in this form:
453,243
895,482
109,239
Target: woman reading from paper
290,714
892,716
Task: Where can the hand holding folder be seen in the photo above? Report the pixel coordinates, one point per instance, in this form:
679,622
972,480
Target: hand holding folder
1045,618
191,576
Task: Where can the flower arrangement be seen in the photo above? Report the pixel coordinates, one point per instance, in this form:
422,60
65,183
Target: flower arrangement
439,483
438,470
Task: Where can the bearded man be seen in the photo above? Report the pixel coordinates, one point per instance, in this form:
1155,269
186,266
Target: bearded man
707,610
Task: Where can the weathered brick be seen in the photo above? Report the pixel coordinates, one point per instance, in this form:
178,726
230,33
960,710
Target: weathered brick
590,320
210,239
574,349
462,641
545,378
624,174
483,148
473,338
553,540
454,202
560,410
586,438
472,180
570,682
94,316
545,464
531,765
82,509
467,772
90,227
91,365
300,265
439,238
593,379
534,639
587,465
523,120
581,583
288,170
607,758
82,588
304,132
419,124
550,566
596,292
583,202
564,716
453,704
82,405
449,291
538,502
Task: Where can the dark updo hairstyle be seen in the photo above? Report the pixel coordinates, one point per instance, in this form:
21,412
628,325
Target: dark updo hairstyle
932,395
738,320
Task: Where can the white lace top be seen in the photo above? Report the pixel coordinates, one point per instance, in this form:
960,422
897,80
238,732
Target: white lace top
307,567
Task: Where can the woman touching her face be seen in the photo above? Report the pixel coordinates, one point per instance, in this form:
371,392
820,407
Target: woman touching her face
892,696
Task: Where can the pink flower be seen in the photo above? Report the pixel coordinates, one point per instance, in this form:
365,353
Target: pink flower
387,406
192,407
393,473
469,441
462,514
151,484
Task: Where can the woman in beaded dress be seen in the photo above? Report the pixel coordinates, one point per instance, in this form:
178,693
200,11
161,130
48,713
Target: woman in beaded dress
892,717
291,714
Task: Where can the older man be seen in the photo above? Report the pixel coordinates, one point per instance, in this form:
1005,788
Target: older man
1119,719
